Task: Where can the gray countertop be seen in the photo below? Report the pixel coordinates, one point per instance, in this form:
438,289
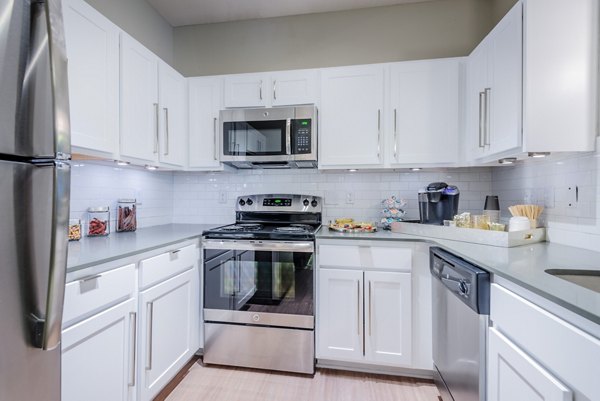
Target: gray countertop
523,265
96,250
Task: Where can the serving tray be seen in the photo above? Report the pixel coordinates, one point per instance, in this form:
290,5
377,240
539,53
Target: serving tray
473,235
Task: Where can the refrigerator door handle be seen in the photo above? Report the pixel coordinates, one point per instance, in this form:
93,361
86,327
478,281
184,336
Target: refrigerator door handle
46,81
47,335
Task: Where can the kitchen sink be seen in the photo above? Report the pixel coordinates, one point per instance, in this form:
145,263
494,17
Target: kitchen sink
589,279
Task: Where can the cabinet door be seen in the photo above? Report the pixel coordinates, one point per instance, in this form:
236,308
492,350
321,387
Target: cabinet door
204,105
352,116
166,323
424,112
98,356
514,376
504,96
93,52
388,318
477,81
246,90
139,101
294,87
340,315
173,116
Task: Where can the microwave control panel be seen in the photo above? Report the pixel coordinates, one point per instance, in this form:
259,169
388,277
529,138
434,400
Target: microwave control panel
301,136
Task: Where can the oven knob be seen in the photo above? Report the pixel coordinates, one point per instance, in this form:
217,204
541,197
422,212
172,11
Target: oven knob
314,203
249,202
306,202
463,288
241,202
256,317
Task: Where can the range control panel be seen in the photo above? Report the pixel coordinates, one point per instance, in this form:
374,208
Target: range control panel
301,136
277,202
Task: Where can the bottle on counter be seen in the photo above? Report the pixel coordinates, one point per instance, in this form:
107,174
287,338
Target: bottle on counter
98,223
492,208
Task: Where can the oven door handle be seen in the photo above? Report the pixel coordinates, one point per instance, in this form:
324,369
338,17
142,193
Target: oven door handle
275,246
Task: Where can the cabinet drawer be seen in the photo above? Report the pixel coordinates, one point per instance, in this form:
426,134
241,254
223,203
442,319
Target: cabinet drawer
379,257
168,264
570,353
95,293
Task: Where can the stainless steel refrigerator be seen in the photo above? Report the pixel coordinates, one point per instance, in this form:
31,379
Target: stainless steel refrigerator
34,197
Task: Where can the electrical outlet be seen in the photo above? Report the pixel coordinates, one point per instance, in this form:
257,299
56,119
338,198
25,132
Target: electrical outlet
222,197
349,197
572,196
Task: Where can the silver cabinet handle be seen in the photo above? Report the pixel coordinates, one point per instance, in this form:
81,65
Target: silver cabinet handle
358,307
260,90
47,329
157,128
166,110
379,134
370,309
481,113
149,318
275,90
488,96
132,347
215,138
395,134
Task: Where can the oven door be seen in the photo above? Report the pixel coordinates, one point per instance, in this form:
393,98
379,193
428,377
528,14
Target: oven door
259,282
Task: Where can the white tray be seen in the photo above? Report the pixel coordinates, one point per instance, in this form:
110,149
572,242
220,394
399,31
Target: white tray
476,236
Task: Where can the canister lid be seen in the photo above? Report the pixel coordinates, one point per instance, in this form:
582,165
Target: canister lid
127,200
98,209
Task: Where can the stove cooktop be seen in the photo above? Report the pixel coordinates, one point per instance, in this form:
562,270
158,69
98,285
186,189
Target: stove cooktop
263,231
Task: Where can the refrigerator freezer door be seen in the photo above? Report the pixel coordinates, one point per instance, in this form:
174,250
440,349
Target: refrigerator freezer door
35,109
33,247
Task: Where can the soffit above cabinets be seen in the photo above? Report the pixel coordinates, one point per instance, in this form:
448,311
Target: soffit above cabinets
191,12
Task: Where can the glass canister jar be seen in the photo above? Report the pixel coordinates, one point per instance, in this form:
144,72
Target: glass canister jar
74,229
98,221
126,215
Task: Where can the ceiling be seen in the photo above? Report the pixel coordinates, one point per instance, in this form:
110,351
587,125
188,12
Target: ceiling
191,12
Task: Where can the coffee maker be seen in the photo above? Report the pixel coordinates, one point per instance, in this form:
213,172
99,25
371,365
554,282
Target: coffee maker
438,202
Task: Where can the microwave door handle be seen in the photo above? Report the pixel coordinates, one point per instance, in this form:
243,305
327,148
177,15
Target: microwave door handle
288,136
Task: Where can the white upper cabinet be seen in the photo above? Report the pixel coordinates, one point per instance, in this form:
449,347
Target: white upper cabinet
246,90
173,101
294,87
139,101
205,100
494,90
283,88
352,114
424,112
93,52
154,123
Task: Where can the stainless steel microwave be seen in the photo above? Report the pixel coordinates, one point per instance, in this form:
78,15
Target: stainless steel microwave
284,137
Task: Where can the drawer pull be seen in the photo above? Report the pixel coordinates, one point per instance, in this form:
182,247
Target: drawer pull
89,284
175,251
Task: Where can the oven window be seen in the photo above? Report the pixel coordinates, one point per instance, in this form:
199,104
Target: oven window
260,281
254,138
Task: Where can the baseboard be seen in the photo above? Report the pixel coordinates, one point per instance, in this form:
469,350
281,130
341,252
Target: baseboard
168,389
375,369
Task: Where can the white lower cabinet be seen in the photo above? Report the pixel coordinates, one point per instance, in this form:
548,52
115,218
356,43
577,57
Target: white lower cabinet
98,356
535,354
340,327
166,331
388,337
515,376
365,316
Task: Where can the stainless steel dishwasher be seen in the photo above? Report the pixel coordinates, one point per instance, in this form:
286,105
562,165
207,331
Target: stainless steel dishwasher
461,307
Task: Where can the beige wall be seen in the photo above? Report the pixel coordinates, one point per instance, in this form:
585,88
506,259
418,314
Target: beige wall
140,20
500,8
443,28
